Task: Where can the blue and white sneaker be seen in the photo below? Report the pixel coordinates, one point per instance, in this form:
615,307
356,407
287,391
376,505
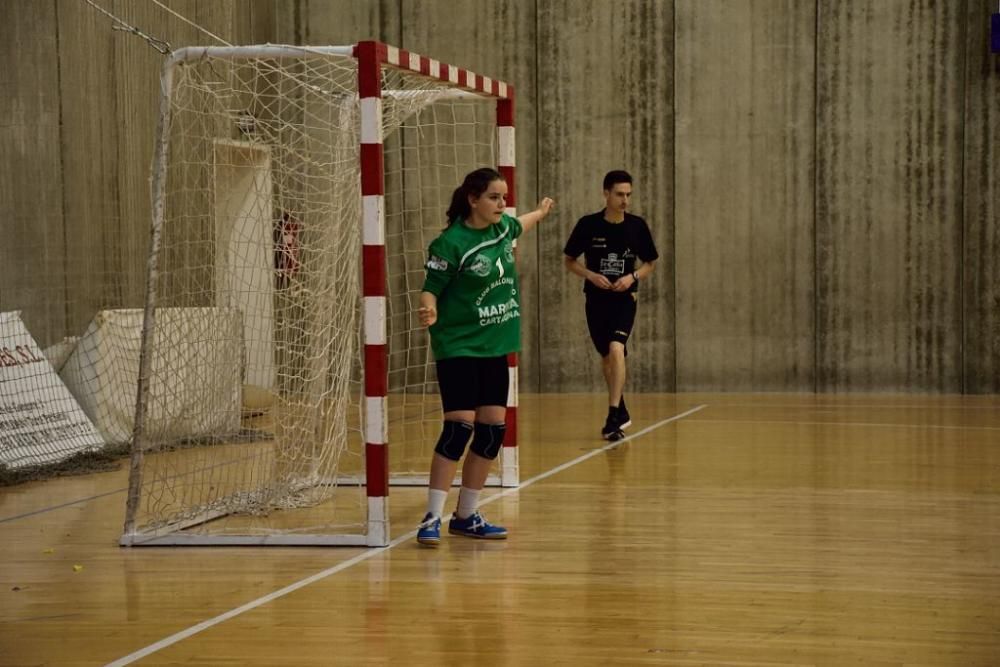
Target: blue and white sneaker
476,526
429,530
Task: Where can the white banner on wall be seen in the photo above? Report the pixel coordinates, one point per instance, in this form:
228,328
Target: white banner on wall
40,421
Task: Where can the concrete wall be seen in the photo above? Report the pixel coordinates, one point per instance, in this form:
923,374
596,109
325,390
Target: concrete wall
32,244
81,99
889,195
745,161
980,260
605,94
820,177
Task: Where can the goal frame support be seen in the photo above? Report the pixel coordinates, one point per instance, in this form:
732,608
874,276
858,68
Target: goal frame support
371,57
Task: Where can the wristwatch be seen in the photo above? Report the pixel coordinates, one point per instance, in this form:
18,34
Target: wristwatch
635,276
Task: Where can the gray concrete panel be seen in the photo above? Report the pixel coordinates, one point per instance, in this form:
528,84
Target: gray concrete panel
981,288
605,101
889,196
95,245
338,22
744,165
32,247
137,104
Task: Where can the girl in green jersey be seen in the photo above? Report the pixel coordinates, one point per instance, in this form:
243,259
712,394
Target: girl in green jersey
471,303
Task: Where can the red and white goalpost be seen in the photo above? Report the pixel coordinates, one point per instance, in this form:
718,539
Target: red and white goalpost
295,192
372,57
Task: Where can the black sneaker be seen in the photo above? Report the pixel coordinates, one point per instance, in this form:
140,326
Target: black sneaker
624,419
612,428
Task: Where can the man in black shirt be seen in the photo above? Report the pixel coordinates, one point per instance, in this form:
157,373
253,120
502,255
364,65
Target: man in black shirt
619,253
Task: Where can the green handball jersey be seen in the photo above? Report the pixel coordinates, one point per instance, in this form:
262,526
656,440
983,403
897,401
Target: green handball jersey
472,274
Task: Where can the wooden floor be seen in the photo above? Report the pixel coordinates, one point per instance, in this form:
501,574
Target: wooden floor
756,530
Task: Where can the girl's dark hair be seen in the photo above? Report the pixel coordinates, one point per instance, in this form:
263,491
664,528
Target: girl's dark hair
475,184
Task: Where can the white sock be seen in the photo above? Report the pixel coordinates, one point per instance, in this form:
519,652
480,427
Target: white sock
468,502
435,501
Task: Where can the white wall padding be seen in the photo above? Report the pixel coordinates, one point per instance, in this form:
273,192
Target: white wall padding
195,373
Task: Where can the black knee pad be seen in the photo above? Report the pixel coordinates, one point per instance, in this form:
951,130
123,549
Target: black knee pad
454,437
488,440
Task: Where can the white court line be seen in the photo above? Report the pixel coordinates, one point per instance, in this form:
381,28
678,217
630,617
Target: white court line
853,406
858,424
302,583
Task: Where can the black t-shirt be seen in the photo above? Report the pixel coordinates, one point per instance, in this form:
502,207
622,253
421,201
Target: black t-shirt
610,248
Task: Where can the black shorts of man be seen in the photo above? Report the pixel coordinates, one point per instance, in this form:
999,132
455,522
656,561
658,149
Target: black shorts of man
619,253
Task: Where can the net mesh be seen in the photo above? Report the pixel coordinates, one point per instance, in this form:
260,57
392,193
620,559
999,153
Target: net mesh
253,420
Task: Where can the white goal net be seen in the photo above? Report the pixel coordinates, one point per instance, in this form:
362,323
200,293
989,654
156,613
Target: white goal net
250,425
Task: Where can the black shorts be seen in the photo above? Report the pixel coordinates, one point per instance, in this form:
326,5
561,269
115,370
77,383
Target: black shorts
470,382
610,318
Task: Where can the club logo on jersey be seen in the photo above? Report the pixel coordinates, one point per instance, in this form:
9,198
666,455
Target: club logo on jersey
508,251
499,313
436,263
481,265
498,308
612,266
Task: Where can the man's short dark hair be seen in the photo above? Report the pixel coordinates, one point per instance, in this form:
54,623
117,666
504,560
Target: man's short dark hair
616,176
